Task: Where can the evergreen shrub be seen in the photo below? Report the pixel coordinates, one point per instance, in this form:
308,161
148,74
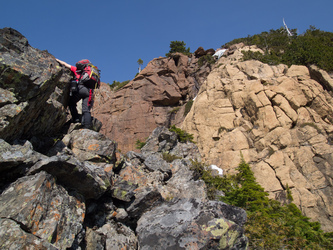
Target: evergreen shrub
118,85
270,225
182,135
178,46
312,47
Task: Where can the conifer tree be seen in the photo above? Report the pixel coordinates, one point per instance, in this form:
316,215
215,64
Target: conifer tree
140,62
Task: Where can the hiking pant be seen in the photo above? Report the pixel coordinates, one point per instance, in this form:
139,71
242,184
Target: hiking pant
86,95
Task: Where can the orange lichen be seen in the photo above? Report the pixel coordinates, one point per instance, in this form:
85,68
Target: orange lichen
57,216
108,169
93,147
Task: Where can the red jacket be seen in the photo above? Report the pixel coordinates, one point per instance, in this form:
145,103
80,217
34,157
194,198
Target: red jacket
74,70
77,75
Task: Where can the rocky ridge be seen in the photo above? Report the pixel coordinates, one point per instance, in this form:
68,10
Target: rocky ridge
155,97
63,187
280,118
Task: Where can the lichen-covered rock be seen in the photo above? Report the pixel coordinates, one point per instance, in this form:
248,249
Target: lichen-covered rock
42,208
88,145
160,140
116,236
192,224
33,89
15,160
12,236
72,173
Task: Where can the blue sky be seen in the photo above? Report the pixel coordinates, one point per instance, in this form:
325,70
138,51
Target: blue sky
115,34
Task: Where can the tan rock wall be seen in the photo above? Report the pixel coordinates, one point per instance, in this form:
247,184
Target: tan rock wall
280,118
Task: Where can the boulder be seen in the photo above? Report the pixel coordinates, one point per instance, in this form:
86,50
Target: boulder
12,236
202,52
88,145
189,223
199,52
118,236
38,206
71,173
15,160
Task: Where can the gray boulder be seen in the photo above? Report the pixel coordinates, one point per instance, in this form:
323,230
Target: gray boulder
192,223
12,236
42,208
72,173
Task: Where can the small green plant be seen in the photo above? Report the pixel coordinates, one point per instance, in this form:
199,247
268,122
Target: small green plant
188,107
169,157
139,144
181,134
118,85
209,59
213,183
174,110
289,195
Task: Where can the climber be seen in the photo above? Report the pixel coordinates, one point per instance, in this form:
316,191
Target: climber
84,93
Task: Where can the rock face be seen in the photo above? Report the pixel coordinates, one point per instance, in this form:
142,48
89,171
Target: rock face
156,97
77,194
33,92
279,118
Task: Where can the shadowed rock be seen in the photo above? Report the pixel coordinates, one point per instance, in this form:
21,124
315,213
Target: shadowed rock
42,208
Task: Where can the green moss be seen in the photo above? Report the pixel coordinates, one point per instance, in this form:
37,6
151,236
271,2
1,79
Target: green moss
89,176
49,239
123,194
188,107
232,236
107,183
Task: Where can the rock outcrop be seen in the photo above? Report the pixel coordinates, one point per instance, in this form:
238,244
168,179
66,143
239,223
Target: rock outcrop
32,89
66,200
280,118
77,194
155,97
